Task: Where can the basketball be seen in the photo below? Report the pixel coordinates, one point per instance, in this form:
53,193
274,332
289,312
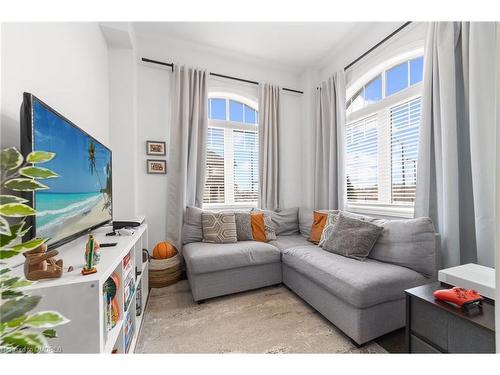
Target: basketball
164,250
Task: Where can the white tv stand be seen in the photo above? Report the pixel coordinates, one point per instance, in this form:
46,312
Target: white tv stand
80,298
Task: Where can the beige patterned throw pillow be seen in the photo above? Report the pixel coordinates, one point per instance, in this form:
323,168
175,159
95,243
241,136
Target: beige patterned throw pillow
269,227
219,227
328,229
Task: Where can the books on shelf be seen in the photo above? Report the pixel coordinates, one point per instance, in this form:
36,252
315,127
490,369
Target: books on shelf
128,290
129,280
127,264
129,329
138,299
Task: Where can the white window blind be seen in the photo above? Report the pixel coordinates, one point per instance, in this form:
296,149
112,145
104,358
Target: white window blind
246,153
214,183
362,160
405,123
232,154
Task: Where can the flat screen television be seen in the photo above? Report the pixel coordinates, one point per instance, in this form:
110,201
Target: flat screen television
80,199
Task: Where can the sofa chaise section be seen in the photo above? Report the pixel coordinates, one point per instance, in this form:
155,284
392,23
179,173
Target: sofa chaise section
219,269
363,299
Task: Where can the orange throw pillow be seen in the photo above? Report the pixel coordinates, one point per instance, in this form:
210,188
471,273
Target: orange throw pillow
319,221
258,227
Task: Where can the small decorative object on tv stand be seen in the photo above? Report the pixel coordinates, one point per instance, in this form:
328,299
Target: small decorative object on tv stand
91,256
40,264
82,298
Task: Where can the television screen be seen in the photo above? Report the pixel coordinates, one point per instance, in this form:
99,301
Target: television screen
81,197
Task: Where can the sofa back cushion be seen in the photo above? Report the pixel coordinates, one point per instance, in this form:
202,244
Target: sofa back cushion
409,243
192,230
305,221
285,222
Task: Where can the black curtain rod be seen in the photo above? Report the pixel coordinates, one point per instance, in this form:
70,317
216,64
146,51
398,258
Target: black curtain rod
171,65
375,46
378,45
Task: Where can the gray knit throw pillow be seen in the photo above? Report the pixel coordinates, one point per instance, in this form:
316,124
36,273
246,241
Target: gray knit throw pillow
243,226
352,238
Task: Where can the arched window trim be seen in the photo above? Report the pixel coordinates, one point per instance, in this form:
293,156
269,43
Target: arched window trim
381,69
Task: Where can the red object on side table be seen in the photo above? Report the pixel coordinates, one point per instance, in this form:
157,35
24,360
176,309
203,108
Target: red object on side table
464,298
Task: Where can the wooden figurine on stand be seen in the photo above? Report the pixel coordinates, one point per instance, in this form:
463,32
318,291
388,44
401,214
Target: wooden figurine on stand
40,264
90,249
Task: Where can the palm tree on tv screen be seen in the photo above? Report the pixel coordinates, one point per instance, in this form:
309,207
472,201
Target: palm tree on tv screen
93,168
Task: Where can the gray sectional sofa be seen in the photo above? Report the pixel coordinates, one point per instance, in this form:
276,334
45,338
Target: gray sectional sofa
364,299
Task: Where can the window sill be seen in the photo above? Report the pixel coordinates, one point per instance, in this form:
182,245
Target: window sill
399,212
236,206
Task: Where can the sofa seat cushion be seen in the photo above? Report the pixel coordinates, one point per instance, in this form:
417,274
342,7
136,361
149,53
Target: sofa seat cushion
294,240
359,283
202,257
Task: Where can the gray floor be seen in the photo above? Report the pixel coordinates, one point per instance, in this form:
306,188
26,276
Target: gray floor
269,320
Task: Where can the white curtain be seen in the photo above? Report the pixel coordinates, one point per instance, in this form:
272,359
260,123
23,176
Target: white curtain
187,148
269,163
455,184
329,181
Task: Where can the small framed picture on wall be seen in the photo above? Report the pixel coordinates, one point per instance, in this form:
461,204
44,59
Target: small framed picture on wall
156,148
156,166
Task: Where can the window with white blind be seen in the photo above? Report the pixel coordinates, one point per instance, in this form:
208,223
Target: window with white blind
232,154
381,140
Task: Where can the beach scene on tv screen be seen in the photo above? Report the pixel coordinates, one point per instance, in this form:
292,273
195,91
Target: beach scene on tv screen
81,197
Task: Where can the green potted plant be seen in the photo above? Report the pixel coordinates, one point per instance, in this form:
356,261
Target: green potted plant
21,330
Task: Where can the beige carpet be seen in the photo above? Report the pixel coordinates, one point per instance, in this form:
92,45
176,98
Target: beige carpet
269,320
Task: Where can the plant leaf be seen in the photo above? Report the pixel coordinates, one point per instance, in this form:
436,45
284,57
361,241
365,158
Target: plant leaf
39,156
5,270
10,159
24,184
26,341
8,282
6,254
45,319
16,231
50,333
4,227
37,172
8,294
28,245
16,210
4,199
16,322
21,284
13,309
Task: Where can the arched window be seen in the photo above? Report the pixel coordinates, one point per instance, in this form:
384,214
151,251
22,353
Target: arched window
381,138
232,152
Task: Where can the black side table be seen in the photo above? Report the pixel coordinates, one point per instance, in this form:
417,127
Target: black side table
434,326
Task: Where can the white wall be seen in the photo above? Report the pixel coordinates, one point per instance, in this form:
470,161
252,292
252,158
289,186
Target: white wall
124,132
63,64
153,123
153,99
497,189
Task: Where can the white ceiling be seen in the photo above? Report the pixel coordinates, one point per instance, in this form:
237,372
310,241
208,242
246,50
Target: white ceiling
293,44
